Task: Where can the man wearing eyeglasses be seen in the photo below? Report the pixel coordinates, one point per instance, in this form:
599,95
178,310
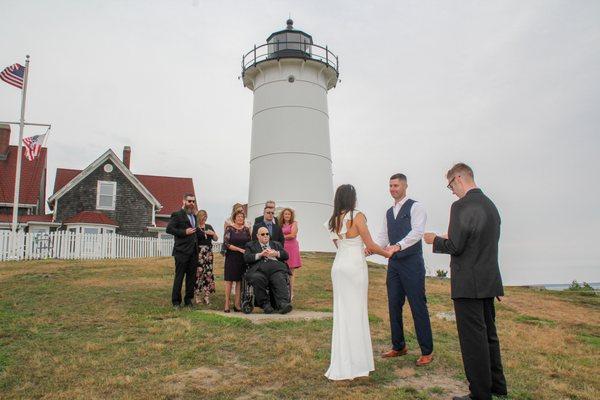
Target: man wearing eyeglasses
472,242
267,270
270,222
185,250
261,218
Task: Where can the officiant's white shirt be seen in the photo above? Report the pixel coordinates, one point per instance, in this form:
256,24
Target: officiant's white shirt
418,218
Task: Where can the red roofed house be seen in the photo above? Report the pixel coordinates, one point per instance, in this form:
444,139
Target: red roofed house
32,194
106,197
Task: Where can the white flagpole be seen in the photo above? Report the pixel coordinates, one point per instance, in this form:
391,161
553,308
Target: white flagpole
45,138
20,150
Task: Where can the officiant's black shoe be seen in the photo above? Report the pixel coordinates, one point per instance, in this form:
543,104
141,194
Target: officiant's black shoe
176,307
465,397
190,306
285,309
268,309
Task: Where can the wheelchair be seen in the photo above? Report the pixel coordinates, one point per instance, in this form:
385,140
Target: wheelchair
248,298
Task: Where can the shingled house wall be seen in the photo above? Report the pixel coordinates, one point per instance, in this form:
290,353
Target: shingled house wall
133,212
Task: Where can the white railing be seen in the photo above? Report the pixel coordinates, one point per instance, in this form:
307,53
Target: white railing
81,246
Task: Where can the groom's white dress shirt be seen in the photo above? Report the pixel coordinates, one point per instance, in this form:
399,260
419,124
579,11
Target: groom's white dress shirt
418,218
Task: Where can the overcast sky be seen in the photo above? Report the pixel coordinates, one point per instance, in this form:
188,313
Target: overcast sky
510,87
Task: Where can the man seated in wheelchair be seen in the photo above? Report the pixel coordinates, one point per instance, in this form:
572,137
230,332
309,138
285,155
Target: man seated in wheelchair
266,269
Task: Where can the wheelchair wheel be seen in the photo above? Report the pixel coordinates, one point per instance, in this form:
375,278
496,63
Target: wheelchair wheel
247,307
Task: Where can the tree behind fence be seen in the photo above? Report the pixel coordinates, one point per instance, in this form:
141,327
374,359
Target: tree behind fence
71,245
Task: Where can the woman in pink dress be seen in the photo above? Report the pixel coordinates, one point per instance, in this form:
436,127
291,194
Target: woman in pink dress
289,226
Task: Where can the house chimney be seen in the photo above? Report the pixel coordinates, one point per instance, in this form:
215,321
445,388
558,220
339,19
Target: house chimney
127,156
4,141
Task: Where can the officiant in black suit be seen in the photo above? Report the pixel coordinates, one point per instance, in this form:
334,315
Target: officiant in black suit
270,222
472,242
185,250
267,269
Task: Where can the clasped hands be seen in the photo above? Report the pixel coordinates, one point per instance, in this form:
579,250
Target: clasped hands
388,249
428,237
269,253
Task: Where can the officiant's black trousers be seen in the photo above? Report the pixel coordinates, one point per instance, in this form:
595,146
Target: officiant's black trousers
406,280
480,346
185,267
270,274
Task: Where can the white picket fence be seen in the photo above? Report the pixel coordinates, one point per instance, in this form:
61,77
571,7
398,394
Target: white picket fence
81,246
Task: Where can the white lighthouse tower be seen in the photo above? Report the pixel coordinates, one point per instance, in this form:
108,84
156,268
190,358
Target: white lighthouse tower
290,159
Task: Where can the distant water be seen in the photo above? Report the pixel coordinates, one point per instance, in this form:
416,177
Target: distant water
595,285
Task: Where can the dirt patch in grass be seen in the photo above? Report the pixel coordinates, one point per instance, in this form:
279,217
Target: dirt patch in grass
437,384
257,393
260,318
197,379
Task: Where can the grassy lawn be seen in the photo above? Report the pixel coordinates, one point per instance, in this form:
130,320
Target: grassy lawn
105,330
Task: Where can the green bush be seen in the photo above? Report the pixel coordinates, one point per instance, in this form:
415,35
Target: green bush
586,287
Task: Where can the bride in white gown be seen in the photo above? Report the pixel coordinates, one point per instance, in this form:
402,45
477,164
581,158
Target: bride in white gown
351,349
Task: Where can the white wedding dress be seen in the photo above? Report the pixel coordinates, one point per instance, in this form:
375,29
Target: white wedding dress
351,349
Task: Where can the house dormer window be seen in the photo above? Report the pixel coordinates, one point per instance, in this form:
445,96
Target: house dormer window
106,195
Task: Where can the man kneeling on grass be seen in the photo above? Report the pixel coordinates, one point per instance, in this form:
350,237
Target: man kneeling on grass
267,270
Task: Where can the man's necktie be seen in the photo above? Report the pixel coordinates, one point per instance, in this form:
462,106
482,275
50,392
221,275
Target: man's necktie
270,228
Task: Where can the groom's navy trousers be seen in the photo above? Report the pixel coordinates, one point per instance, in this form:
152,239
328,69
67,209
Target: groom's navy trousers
406,280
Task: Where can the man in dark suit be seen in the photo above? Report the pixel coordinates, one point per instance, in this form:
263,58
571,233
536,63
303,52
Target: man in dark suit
267,270
185,251
261,218
472,242
270,222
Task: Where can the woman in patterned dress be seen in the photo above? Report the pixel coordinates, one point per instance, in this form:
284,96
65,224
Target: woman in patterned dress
205,279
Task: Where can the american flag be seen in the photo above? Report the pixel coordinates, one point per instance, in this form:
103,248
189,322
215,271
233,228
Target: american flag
13,75
33,146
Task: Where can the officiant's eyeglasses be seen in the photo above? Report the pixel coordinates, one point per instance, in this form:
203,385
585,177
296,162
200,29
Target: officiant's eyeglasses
263,234
450,184
191,201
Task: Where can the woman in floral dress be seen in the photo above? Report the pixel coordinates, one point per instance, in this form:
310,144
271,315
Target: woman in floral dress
205,279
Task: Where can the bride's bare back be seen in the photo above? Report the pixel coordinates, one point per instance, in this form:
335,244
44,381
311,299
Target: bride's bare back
358,227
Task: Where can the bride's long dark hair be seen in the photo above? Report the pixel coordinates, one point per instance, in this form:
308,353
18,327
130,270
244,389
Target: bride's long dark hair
343,202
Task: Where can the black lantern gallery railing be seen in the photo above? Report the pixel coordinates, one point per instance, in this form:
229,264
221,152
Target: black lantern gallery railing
278,50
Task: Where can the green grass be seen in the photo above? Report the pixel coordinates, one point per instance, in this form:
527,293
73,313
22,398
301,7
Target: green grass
591,339
527,319
105,330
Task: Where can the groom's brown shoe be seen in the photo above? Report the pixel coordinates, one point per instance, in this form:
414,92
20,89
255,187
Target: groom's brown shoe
424,360
394,353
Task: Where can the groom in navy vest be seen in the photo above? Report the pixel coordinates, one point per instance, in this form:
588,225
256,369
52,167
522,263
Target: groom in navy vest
402,231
